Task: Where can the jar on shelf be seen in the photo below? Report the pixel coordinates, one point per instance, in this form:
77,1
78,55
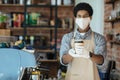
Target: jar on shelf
21,2
35,74
5,1
118,10
53,2
67,2
112,15
0,1
109,36
29,2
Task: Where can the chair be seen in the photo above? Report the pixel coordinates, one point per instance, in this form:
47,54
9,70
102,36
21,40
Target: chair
12,61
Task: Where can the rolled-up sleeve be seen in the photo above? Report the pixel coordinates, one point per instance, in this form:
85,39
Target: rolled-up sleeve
65,46
100,48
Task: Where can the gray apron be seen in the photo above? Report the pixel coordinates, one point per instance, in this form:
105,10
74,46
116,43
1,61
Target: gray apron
83,68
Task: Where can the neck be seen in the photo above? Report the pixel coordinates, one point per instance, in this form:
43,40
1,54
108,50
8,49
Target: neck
83,31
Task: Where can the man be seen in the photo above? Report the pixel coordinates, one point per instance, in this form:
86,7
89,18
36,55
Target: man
83,50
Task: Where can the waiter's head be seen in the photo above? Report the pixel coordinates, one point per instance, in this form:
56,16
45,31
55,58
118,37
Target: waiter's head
83,14
83,7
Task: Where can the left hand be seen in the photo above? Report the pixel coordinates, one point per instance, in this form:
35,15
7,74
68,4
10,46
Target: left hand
86,53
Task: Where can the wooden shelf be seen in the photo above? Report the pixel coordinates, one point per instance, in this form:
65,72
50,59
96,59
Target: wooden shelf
44,51
113,20
115,42
118,18
49,60
32,28
31,31
66,6
40,5
11,5
8,8
40,26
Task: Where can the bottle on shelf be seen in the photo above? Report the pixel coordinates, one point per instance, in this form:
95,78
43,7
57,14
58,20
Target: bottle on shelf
31,40
67,2
35,75
53,2
16,1
118,10
21,38
29,2
0,1
21,2
15,23
5,1
112,15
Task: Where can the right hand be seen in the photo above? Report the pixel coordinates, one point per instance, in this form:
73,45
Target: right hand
67,58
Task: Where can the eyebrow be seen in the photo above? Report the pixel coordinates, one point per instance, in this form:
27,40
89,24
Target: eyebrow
87,15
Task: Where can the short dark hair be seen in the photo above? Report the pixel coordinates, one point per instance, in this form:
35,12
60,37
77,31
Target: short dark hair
83,6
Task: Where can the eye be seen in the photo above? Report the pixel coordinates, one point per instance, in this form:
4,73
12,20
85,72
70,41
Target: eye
85,16
78,16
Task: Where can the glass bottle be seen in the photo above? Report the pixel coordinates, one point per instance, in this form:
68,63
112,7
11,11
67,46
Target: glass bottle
35,74
5,1
118,10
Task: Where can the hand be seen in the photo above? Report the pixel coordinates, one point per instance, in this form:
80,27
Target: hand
79,49
82,52
85,54
73,53
67,58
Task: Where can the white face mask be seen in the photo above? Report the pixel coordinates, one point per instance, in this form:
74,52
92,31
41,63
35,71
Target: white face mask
82,22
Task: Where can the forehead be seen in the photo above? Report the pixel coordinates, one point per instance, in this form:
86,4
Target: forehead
82,12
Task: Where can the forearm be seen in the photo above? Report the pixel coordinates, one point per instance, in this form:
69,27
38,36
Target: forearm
98,59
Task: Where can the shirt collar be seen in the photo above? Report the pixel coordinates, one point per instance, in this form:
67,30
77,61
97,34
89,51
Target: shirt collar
88,33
